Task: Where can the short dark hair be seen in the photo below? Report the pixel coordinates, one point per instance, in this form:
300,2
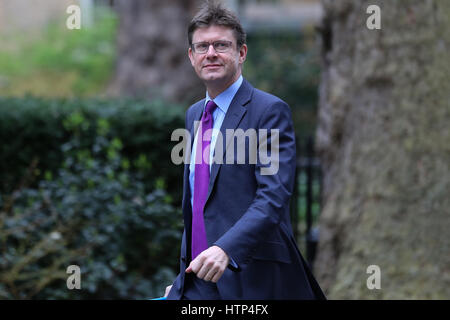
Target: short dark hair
213,13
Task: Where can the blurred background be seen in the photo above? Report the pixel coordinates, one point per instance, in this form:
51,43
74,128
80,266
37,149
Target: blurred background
86,117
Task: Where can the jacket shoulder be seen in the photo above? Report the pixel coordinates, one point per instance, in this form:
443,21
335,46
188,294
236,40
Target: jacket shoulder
264,103
196,105
193,109
266,98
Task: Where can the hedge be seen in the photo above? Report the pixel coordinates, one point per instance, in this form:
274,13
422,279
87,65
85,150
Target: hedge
98,198
33,129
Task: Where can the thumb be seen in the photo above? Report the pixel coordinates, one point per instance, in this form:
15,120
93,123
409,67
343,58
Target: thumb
188,269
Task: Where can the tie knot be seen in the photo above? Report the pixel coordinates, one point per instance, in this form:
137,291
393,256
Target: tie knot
210,107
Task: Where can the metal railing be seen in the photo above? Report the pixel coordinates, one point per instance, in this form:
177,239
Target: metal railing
306,199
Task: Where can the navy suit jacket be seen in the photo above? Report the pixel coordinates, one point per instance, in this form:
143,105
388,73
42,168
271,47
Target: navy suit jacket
247,213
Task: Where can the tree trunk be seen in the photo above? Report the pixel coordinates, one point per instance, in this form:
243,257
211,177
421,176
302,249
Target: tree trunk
384,140
152,45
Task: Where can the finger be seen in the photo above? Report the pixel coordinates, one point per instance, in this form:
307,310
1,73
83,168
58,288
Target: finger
217,276
196,265
168,288
209,276
189,268
203,271
192,266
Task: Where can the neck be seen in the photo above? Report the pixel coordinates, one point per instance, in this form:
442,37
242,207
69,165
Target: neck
215,87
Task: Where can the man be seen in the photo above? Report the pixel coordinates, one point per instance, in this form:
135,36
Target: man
237,241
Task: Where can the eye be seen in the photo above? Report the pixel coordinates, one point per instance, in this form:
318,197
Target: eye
221,45
202,46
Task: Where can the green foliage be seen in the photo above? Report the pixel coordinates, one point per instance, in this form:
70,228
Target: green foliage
60,62
35,129
95,214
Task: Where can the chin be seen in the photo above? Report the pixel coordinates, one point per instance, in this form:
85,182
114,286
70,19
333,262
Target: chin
213,77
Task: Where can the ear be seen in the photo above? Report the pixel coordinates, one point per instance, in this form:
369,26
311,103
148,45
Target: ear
190,54
243,53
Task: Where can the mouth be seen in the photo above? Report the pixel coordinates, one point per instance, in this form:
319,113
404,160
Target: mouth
212,66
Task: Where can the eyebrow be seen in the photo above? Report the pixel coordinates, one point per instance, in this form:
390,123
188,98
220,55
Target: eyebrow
212,41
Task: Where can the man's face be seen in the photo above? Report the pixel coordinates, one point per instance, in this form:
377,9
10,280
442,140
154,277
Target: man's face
217,68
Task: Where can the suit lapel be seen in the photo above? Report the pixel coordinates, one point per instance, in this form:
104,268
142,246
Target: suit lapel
196,116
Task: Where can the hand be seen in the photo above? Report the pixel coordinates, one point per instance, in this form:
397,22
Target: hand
210,264
168,288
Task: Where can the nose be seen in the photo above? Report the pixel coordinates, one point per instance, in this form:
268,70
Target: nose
211,51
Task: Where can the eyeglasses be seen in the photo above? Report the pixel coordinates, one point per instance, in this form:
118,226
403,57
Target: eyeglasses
219,46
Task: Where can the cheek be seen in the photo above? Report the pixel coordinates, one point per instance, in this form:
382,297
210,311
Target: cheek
198,64
231,62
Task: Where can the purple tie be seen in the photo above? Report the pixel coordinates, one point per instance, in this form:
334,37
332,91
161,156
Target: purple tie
201,181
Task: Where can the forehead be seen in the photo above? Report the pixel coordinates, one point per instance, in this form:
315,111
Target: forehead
213,33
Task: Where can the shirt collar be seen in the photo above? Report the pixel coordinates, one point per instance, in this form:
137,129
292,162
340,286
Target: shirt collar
224,99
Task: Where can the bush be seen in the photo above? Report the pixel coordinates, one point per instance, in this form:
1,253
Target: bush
35,129
95,214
